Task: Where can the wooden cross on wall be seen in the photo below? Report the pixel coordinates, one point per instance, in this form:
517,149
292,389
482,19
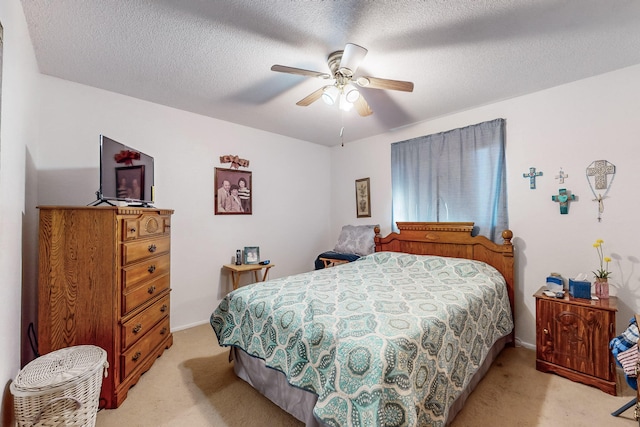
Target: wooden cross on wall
563,198
532,177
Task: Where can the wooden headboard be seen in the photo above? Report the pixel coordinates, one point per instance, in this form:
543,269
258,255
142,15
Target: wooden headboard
452,239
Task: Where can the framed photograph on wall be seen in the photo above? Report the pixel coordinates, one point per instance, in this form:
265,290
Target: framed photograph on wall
130,182
363,198
233,192
251,254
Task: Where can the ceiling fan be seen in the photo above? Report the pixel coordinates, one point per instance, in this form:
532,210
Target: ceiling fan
343,65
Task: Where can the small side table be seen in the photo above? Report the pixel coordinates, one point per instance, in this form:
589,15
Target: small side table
237,270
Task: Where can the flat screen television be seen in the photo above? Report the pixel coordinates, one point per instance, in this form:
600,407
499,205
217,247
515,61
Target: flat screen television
126,174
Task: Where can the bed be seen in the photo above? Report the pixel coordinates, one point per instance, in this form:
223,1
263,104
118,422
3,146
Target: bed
397,338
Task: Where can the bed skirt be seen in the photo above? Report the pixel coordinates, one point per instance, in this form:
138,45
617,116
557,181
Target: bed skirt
299,403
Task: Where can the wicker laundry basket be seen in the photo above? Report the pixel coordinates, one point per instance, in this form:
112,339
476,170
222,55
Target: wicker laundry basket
61,388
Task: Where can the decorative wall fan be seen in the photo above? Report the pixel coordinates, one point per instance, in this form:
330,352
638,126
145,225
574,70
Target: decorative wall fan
343,65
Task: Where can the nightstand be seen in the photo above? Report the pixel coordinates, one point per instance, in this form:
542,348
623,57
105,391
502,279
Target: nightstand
572,339
236,270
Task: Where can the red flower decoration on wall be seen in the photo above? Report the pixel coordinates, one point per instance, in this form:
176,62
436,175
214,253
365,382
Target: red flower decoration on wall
127,157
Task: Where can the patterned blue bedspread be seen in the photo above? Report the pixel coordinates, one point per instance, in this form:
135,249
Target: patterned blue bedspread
389,340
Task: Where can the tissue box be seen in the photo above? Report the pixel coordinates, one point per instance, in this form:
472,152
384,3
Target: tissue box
580,289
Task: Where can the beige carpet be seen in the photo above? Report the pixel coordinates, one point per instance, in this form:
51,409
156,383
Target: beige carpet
193,384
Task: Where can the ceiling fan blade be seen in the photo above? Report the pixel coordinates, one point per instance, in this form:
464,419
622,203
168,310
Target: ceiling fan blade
377,83
314,96
362,107
351,58
299,71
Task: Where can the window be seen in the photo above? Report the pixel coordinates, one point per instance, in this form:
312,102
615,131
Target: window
458,175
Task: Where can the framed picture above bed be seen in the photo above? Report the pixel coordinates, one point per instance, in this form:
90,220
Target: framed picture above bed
233,192
363,198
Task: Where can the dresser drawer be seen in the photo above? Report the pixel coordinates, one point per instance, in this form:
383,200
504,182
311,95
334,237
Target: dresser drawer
138,250
145,225
141,350
136,327
138,295
144,271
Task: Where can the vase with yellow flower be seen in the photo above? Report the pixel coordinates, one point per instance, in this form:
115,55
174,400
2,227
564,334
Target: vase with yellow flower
603,273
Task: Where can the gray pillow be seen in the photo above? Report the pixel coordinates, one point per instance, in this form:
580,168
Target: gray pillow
356,239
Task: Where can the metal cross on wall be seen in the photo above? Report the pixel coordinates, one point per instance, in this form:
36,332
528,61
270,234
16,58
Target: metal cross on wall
561,176
600,170
532,177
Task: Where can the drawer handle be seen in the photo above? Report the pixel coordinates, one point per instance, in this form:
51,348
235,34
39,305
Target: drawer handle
163,331
151,289
132,230
152,248
136,356
151,269
546,331
163,308
137,328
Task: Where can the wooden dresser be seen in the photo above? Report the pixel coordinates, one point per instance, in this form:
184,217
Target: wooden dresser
104,279
572,339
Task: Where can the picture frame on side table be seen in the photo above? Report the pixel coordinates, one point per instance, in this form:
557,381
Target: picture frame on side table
363,198
233,192
251,255
130,182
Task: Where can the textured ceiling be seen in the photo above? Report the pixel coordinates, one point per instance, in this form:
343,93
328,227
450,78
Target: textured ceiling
213,57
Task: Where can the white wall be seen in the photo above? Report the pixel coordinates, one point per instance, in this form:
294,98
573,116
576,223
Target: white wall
290,193
296,214
566,127
17,135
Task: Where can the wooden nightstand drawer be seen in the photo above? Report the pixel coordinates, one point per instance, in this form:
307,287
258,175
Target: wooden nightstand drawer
139,250
141,350
138,326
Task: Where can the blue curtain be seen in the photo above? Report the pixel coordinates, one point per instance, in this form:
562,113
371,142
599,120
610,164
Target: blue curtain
458,175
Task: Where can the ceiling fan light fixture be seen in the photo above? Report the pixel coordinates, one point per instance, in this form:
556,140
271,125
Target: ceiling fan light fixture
345,105
363,81
351,94
344,92
330,95
352,57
